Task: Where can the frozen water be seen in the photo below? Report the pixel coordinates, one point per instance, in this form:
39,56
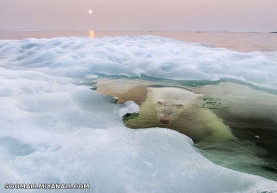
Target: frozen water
137,55
128,107
55,129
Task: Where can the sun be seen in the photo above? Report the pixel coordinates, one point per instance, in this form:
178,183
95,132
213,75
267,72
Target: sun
90,11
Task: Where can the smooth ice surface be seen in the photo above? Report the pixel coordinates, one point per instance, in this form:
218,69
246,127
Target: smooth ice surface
53,128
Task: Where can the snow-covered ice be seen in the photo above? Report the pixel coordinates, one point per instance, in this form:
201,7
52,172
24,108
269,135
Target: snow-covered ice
53,128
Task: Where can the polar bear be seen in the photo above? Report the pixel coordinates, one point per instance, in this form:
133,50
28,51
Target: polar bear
170,101
176,108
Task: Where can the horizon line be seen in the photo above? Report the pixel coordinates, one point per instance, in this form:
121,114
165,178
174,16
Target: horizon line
194,31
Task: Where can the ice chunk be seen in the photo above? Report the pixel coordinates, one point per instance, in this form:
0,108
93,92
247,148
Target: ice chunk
128,107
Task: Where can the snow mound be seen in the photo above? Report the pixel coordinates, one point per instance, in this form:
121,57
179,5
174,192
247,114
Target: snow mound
139,55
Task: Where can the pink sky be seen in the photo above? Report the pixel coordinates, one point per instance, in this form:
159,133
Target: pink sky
175,15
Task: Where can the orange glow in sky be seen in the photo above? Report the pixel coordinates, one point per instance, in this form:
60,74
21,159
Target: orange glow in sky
91,34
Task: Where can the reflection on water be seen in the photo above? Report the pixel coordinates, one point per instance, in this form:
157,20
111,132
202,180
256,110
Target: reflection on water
91,34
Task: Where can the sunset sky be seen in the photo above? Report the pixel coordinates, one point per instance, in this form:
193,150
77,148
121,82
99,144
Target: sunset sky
132,15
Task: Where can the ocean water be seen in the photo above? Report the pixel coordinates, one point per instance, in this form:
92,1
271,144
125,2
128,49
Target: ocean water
54,128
